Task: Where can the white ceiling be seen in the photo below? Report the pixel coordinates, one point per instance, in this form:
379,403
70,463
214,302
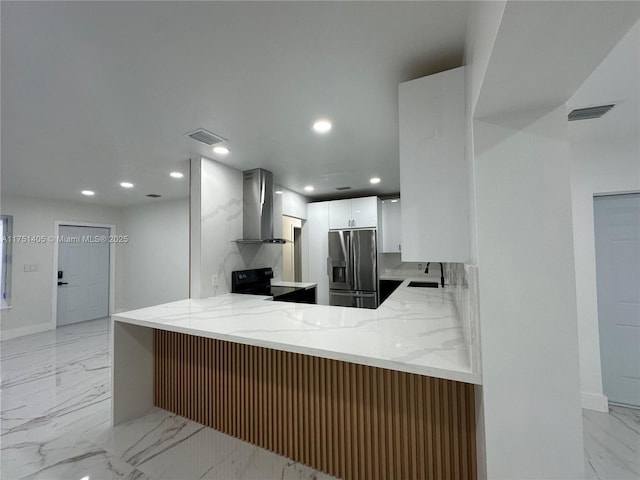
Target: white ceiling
94,93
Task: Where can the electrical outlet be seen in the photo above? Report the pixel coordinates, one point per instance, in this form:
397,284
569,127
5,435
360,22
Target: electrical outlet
420,266
214,280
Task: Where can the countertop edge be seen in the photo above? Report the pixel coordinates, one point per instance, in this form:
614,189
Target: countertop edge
332,355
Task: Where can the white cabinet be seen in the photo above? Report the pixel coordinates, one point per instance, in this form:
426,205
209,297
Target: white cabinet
391,226
316,232
354,213
340,214
293,204
364,212
434,177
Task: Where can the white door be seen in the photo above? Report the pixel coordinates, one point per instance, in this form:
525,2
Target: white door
617,231
83,285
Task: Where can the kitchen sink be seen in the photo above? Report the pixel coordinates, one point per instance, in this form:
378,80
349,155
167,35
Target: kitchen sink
423,284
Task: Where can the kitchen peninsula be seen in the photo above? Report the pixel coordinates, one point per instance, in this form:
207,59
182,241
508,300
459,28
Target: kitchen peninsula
357,393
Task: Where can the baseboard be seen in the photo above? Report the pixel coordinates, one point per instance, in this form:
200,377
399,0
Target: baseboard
22,331
595,401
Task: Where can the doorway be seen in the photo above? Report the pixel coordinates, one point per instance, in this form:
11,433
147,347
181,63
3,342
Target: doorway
292,251
83,276
617,238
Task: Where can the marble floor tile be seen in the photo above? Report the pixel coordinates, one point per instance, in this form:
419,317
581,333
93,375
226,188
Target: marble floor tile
612,444
44,453
55,423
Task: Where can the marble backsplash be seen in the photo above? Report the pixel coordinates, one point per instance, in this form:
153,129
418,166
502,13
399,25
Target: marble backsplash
463,278
220,213
392,264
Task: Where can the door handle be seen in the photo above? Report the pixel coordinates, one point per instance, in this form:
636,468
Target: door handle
63,283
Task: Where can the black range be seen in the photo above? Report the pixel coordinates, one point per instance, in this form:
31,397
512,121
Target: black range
258,282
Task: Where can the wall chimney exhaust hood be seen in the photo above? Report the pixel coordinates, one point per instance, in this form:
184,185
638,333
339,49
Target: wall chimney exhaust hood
257,207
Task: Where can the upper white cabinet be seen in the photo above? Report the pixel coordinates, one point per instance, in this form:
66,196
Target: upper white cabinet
434,178
391,226
340,214
354,213
293,204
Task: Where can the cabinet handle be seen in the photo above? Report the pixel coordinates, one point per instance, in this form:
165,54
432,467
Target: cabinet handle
399,247
353,223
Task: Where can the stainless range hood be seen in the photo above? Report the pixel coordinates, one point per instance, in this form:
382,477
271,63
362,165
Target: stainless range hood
257,207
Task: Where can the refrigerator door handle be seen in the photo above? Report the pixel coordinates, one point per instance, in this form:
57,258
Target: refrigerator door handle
348,257
328,266
352,266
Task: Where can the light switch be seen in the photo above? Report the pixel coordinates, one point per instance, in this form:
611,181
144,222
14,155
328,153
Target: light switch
214,280
30,268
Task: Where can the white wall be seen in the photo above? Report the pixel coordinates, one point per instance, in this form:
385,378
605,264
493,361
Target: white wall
529,412
482,29
32,293
155,266
532,412
483,21
605,158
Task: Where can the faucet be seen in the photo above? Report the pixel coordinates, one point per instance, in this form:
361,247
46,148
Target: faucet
426,270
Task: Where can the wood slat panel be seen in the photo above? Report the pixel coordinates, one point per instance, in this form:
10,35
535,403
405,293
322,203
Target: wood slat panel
352,421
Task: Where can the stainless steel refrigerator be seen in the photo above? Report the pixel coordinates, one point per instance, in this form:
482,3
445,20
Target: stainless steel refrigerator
353,268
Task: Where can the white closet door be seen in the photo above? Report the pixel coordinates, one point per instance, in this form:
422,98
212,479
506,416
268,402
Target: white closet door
617,230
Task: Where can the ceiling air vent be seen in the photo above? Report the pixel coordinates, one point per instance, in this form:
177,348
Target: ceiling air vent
590,112
206,136
343,188
153,195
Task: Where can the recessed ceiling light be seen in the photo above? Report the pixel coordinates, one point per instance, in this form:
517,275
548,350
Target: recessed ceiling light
394,200
375,180
176,174
278,191
88,193
221,150
322,126
126,185
308,188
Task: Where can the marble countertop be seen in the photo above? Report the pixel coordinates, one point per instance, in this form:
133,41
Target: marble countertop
415,330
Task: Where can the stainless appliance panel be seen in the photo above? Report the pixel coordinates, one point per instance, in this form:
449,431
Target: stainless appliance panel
340,260
353,299
257,210
364,260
